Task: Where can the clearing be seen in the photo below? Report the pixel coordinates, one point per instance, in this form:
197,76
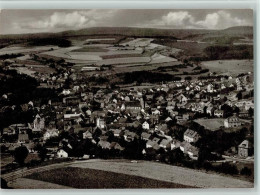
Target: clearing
233,67
211,124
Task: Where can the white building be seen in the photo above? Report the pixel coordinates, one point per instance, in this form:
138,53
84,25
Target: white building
146,125
62,154
100,123
232,121
191,136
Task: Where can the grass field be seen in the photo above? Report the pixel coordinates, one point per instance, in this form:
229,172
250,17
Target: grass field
164,172
189,48
121,56
211,124
233,67
90,179
90,49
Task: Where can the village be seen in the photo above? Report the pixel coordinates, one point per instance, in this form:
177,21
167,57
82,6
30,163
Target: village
184,122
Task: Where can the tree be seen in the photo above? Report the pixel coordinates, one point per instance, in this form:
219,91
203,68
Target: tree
251,112
236,110
43,153
4,184
20,154
239,95
246,171
188,78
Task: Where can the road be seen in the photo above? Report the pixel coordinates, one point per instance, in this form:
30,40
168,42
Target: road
25,171
230,158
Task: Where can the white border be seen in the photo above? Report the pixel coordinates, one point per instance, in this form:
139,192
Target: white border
154,4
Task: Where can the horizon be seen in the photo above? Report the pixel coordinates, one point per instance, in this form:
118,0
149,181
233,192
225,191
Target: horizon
123,27
15,22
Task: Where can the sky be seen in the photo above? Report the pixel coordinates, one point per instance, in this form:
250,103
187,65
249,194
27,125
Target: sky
33,21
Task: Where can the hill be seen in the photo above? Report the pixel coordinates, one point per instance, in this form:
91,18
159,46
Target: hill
133,31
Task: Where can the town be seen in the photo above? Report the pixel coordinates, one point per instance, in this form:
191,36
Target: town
199,119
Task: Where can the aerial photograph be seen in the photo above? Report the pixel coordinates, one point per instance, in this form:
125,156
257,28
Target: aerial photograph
126,98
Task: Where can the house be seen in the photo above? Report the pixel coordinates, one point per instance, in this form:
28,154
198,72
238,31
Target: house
249,105
87,135
156,112
182,98
165,143
104,144
50,133
184,146
38,123
168,119
145,136
162,127
210,88
154,119
197,88
175,144
129,136
245,149
149,97
223,86
74,116
133,107
243,113
152,144
193,152
191,136
62,154
100,123
9,131
127,98
23,138
232,121
19,128
116,146
145,125
219,113
71,101
116,132
210,110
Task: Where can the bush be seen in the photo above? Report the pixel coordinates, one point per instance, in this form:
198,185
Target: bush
33,163
20,154
246,171
228,169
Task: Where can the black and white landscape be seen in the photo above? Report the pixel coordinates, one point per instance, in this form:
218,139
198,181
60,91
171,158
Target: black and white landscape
126,99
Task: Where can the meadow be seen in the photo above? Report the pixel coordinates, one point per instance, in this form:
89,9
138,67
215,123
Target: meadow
234,67
84,178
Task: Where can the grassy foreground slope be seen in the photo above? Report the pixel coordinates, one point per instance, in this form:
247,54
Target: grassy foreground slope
90,179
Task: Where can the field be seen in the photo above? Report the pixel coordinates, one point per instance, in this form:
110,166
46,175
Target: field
31,69
25,183
8,158
97,173
167,173
234,67
211,124
190,48
91,179
10,50
90,49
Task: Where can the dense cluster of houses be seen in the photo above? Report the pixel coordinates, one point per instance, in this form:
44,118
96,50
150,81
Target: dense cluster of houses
143,112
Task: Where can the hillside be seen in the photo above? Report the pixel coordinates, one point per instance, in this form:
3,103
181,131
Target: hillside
132,31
